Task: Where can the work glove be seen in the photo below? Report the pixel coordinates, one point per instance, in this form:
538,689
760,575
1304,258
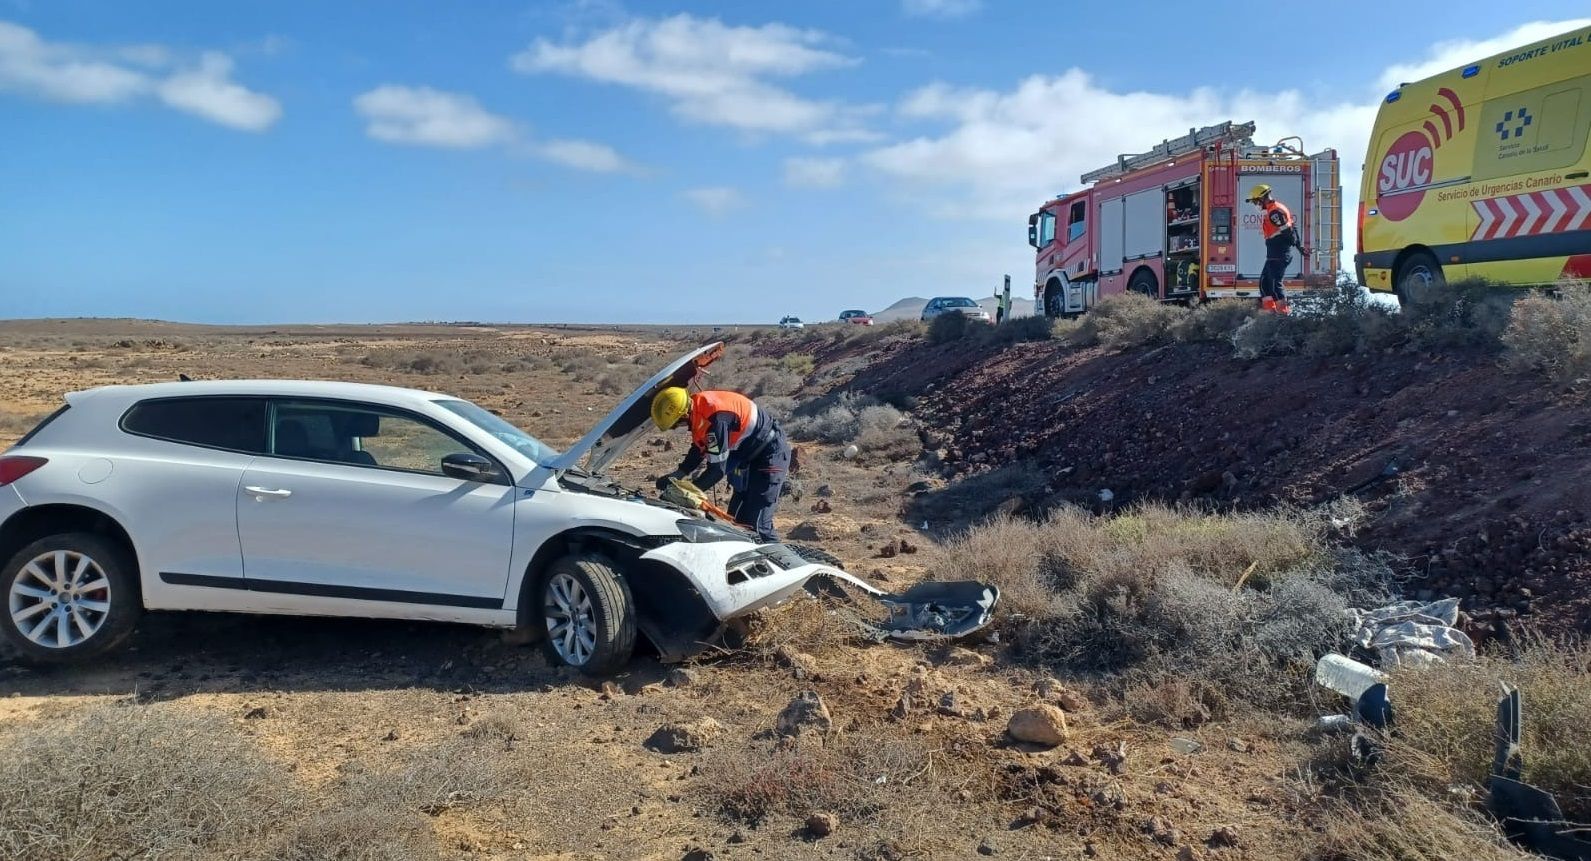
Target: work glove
663,481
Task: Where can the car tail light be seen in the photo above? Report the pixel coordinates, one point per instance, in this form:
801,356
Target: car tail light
13,467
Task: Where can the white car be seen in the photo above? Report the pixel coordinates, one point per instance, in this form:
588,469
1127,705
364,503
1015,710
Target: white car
343,499
791,323
941,305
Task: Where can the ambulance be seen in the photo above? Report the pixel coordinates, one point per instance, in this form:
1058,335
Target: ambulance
1482,172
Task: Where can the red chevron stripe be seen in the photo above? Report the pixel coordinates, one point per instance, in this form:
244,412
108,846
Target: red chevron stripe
1533,213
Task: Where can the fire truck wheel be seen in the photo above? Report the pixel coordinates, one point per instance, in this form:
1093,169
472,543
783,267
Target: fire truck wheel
1419,275
1143,281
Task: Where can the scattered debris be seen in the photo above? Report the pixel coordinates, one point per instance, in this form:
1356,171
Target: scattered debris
1412,632
256,713
1224,837
1186,746
1162,831
681,677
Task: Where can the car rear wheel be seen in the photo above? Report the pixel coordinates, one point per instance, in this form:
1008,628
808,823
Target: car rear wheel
589,614
69,597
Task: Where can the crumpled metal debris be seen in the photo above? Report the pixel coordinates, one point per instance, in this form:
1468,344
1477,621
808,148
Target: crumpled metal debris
1413,633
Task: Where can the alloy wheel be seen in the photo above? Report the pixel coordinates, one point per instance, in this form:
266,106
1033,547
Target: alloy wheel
60,599
571,623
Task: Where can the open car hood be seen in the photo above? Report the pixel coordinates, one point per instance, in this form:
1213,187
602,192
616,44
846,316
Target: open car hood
619,429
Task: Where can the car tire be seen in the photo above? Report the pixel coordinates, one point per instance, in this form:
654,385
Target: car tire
1417,278
45,581
588,615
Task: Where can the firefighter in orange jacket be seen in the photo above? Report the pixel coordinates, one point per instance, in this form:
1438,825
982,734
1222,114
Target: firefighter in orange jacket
736,438
1281,237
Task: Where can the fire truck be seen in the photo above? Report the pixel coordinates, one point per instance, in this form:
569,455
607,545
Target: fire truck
1173,225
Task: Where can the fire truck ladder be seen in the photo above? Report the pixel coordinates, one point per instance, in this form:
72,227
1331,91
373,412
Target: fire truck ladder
1327,240
1228,133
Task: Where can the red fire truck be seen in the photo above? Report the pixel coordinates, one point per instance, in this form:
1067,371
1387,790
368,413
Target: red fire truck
1172,223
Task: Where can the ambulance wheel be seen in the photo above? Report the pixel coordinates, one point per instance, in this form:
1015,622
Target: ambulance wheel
1144,282
1418,278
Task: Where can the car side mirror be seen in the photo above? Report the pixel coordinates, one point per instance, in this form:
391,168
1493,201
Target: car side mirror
469,467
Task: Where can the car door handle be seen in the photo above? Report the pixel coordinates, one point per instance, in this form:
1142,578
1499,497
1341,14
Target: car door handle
268,492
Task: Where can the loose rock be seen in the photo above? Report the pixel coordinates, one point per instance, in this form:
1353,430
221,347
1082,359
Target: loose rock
821,825
681,677
685,737
1223,837
1041,724
807,712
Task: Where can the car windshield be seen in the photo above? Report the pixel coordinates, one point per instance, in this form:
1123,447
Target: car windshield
494,424
960,303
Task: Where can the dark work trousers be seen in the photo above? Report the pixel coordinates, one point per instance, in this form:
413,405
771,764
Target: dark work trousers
1278,256
756,485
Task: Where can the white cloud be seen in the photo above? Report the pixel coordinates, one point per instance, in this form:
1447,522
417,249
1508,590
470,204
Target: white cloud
940,8
1001,153
709,72
584,155
62,72
1451,55
209,92
715,200
421,116
814,172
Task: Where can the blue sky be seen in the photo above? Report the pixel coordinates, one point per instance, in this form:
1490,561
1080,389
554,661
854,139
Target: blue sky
626,162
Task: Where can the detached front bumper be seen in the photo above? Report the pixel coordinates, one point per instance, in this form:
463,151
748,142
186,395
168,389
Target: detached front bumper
735,579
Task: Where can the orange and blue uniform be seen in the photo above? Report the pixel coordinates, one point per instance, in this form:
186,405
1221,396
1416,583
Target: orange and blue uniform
739,439
1280,231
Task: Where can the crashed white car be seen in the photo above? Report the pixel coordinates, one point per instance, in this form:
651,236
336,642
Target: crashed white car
342,499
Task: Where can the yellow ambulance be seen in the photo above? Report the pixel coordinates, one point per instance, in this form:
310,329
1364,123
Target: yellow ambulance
1482,172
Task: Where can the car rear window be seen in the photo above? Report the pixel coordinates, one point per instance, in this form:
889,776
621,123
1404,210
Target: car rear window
235,424
41,425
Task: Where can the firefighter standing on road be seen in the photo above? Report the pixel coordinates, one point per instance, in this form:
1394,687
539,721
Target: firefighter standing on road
736,438
1281,237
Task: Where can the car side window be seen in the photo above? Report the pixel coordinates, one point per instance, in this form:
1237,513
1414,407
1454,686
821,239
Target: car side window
359,436
234,424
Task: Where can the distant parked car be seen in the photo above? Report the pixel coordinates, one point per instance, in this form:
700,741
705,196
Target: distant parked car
856,318
954,305
791,323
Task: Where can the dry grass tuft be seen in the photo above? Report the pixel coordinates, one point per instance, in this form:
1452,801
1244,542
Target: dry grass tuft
1446,716
356,834
853,776
459,772
134,782
1216,320
1399,823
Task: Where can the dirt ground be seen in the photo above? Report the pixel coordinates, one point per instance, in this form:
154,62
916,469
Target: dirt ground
332,697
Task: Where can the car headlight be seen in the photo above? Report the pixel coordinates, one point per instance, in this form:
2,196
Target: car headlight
706,531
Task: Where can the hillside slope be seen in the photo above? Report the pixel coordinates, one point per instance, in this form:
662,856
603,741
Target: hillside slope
1474,479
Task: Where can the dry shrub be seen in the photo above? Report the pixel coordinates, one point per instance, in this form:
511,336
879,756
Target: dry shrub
1152,591
1216,320
458,772
853,776
356,834
133,782
1467,313
886,432
809,624
1552,336
977,495
1125,321
1447,715
800,364
948,328
1019,329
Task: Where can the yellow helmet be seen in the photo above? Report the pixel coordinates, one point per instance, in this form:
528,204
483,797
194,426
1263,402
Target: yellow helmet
669,406
1258,192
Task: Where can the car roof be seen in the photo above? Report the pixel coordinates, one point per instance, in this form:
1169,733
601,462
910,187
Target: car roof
389,395
942,298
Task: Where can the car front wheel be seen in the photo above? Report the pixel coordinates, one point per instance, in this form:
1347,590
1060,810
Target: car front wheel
69,597
589,614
